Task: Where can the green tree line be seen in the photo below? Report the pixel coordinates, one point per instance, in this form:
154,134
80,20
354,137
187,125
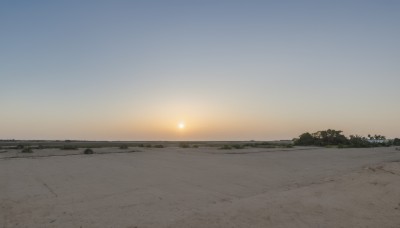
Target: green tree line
332,137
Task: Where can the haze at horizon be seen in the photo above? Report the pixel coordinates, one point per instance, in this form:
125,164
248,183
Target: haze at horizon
230,70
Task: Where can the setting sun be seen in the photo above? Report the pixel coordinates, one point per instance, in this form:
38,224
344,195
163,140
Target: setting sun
181,125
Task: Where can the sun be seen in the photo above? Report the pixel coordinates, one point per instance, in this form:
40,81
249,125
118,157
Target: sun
181,125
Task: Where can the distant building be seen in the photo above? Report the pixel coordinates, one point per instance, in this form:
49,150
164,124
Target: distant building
377,140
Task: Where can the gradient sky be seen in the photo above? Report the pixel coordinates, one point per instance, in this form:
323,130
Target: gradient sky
231,70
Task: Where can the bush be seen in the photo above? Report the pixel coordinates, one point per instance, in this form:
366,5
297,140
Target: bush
68,147
184,145
148,146
123,147
250,145
27,150
225,147
258,145
238,146
195,146
158,146
19,147
88,151
140,145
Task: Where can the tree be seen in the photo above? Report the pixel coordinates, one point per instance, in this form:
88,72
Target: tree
379,137
305,139
329,137
359,141
334,137
396,142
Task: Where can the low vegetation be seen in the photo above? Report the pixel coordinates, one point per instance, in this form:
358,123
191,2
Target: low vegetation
88,151
123,147
158,146
27,150
68,147
396,142
225,147
330,137
238,146
20,147
184,145
187,145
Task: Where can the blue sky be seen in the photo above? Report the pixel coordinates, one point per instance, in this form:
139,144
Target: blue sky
231,70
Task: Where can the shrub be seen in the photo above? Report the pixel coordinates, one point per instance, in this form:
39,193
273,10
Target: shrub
27,150
148,146
158,146
184,145
88,151
140,145
250,144
19,146
68,147
225,147
123,147
238,146
195,146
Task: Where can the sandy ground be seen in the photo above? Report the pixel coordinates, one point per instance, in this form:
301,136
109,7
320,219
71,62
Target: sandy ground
175,187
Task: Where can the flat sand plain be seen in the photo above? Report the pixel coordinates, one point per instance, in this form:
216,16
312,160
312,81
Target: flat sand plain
201,187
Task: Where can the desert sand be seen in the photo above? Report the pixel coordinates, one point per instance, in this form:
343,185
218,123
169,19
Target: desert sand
201,187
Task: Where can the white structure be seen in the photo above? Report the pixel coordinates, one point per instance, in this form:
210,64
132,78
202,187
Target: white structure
377,140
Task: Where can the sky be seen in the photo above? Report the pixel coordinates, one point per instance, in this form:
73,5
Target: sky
226,70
